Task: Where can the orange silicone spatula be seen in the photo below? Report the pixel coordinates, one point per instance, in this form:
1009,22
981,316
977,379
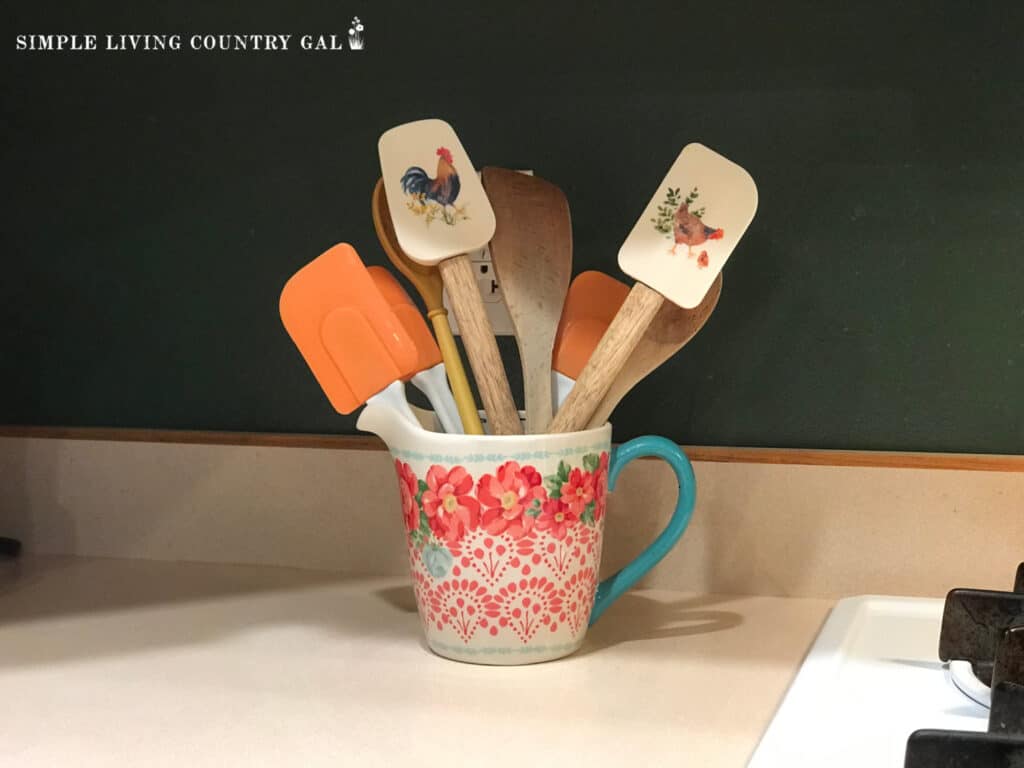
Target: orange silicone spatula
431,378
348,335
591,303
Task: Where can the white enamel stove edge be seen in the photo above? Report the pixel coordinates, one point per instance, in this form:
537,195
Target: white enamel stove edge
872,677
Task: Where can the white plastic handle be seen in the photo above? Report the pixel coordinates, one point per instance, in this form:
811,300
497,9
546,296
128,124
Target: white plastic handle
433,382
561,386
393,397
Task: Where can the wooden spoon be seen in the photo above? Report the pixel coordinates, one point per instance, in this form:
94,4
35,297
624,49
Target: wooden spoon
670,330
427,282
532,255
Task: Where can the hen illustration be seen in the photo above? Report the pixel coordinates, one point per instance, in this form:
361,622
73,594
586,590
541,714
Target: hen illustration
690,230
443,188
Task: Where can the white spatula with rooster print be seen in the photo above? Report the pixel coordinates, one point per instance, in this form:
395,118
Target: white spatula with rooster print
676,249
441,213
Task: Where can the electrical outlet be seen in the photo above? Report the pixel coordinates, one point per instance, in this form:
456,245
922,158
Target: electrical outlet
490,291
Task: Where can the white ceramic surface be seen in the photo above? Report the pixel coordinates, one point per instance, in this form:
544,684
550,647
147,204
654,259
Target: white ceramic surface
871,679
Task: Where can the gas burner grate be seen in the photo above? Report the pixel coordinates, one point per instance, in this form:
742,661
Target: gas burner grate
985,628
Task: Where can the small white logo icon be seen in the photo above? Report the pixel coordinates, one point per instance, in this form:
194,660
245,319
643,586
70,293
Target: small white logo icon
355,34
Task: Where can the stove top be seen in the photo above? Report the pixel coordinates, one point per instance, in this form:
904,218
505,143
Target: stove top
874,692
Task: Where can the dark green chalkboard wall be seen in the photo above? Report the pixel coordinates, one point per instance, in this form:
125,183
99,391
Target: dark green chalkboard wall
155,203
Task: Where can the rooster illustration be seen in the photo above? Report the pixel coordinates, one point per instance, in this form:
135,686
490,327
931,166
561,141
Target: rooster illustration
443,189
689,229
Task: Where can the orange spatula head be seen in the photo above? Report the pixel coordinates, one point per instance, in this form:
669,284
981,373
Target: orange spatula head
407,313
591,303
348,335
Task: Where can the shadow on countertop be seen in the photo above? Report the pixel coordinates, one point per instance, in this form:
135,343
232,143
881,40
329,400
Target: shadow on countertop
636,617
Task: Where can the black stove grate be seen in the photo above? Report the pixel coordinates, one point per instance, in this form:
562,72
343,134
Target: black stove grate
985,628
963,749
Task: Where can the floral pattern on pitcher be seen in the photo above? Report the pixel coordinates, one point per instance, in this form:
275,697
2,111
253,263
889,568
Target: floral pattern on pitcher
510,553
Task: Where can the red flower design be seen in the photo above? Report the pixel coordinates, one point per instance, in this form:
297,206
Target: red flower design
601,486
524,606
407,487
702,260
578,598
447,503
556,516
457,604
507,495
578,491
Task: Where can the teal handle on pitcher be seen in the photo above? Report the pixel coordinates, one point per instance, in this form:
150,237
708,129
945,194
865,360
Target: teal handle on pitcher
614,586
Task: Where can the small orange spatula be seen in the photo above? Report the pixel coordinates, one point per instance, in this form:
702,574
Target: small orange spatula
592,301
348,335
431,378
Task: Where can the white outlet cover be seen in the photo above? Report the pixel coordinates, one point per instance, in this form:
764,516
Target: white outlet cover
490,291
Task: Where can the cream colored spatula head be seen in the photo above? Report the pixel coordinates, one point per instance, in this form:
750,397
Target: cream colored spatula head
437,203
440,213
691,226
676,249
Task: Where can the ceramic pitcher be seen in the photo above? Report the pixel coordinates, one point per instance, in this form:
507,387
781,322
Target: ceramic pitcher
504,533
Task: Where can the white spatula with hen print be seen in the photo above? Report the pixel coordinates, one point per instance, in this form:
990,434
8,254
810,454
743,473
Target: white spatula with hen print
441,213
676,249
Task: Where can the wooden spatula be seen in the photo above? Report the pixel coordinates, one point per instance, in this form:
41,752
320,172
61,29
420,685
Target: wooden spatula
438,220
427,281
430,377
706,202
532,255
671,329
353,343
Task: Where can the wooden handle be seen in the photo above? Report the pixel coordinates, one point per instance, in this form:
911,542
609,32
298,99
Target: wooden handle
537,392
671,329
623,334
482,349
456,373
616,392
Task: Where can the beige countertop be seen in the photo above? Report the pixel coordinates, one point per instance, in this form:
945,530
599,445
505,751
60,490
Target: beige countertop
131,662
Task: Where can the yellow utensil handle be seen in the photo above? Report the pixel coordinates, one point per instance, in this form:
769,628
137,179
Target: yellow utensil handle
456,373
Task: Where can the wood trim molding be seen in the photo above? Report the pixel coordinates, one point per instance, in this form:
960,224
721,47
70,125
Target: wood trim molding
806,456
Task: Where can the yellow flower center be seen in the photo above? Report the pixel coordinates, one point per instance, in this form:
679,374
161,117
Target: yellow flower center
450,503
559,517
509,499
579,492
